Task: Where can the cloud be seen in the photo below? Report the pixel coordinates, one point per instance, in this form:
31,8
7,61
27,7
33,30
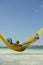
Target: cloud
41,6
42,2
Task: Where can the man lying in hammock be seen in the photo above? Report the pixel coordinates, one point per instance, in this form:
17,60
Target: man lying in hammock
36,37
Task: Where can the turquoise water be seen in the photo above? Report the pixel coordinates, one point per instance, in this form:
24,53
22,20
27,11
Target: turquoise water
31,47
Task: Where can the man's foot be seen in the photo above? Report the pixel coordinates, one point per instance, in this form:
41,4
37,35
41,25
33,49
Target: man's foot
37,36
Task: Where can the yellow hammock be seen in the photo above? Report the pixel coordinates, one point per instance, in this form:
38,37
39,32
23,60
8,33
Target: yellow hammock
22,47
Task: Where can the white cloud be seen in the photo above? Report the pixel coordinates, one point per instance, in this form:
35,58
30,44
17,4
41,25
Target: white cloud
41,6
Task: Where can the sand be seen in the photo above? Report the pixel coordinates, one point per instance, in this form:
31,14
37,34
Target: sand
28,57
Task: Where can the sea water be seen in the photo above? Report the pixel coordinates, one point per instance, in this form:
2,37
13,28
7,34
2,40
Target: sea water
27,57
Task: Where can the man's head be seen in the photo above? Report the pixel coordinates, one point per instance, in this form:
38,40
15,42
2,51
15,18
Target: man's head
17,41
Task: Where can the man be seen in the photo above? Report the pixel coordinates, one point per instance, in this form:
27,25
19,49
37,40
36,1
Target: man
36,37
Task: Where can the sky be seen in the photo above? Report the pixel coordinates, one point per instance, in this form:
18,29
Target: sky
19,19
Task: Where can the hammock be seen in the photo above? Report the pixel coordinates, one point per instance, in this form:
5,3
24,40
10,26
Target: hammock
21,47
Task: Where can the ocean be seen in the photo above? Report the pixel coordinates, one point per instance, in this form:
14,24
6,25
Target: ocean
30,56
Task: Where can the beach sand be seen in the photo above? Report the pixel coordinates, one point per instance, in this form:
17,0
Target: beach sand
27,57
